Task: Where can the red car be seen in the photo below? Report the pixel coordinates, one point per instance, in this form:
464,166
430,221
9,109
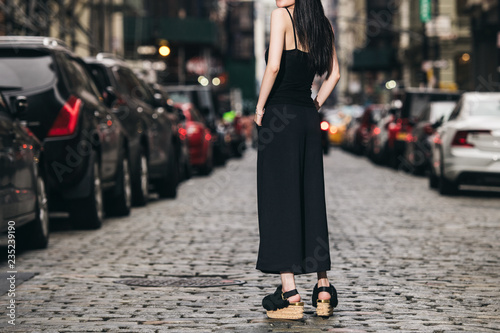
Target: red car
199,138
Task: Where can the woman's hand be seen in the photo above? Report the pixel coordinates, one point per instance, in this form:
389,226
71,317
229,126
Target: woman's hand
259,113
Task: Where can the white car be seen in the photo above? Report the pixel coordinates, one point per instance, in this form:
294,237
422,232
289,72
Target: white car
466,148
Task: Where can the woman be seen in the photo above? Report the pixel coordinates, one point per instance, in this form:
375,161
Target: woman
290,182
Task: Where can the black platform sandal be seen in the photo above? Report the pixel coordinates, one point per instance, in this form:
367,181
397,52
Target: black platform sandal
324,308
278,306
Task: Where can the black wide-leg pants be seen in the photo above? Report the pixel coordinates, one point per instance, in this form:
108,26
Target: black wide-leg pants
291,192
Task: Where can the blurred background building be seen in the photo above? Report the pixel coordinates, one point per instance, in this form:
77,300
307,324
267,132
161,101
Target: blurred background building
382,44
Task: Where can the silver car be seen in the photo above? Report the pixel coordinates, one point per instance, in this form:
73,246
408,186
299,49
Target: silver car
466,148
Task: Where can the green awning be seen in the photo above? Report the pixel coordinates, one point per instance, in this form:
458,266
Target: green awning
374,59
188,30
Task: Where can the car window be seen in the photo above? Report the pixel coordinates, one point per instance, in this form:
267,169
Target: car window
484,107
26,69
130,83
195,115
180,97
440,109
99,76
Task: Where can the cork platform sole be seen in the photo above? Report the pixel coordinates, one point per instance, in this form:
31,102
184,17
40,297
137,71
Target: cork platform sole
324,308
293,311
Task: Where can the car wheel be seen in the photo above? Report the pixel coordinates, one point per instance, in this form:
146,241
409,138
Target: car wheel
121,203
209,165
140,180
167,186
187,171
446,187
35,235
88,213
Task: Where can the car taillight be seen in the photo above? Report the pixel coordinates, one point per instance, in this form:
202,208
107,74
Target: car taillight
376,131
182,133
208,137
325,125
67,119
333,129
460,139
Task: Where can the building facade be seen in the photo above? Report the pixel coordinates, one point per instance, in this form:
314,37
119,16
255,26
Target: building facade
86,27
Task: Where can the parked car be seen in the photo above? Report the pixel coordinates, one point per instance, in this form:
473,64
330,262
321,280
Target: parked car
378,144
414,102
233,124
85,147
23,200
152,137
336,132
325,126
348,144
369,120
466,149
418,148
203,99
199,139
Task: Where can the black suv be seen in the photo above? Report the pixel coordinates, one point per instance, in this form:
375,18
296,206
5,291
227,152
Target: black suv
152,135
23,200
85,147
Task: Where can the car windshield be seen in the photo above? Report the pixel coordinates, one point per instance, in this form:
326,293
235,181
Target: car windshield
441,109
485,107
26,69
180,97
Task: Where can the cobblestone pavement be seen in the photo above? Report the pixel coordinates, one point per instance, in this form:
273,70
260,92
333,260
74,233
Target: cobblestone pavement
404,259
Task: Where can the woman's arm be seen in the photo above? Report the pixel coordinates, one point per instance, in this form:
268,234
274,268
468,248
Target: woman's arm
276,45
328,85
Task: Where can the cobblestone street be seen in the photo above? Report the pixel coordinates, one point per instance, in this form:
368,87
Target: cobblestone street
404,259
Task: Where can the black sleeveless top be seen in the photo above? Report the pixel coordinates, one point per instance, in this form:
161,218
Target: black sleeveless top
294,81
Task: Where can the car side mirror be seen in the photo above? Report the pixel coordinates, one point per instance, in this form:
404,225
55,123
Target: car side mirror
438,123
21,105
109,96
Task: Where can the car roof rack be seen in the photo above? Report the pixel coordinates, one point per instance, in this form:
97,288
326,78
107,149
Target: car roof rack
38,40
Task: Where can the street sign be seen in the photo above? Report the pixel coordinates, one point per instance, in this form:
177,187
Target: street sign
425,10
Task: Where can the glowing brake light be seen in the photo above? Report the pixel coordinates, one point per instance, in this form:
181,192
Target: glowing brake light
333,129
67,119
460,139
325,125
376,131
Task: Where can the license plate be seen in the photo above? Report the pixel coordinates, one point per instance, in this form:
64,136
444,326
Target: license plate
401,136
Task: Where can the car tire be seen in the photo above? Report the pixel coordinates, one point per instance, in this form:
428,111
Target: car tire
207,169
446,187
187,170
121,203
88,213
35,235
140,180
167,186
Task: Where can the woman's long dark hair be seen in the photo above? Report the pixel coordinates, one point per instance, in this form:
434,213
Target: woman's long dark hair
315,32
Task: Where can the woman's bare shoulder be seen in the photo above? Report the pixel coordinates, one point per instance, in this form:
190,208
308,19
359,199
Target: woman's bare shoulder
279,14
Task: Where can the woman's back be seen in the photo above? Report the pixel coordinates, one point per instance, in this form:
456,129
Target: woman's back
295,78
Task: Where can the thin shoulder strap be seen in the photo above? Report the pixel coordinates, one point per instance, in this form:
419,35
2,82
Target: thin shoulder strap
293,25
